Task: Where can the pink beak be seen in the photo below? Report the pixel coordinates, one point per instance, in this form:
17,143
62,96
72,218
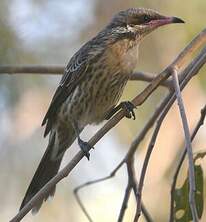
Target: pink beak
165,20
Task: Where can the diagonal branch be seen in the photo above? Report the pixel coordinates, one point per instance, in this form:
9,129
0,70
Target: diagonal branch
179,62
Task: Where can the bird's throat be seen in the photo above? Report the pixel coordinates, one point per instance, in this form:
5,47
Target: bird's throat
124,53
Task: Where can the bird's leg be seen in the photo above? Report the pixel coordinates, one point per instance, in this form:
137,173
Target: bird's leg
128,108
85,147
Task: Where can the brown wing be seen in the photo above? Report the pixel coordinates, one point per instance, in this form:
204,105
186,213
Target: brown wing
73,74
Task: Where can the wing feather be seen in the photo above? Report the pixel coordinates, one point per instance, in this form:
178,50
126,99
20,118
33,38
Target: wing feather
74,73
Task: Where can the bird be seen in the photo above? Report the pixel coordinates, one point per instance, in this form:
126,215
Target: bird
90,88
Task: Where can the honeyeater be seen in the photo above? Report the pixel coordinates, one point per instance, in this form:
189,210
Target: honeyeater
91,87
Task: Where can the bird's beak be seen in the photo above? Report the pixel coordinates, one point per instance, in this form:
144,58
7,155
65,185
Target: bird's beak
165,20
176,20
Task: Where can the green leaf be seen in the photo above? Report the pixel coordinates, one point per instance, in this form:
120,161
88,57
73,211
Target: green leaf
199,155
181,197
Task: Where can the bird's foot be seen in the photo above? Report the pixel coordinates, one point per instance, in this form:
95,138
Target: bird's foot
85,147
128,107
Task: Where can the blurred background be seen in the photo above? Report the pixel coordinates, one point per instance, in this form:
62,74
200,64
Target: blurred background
49,32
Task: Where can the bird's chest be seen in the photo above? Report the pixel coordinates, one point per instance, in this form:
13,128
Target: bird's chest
124,54
95,96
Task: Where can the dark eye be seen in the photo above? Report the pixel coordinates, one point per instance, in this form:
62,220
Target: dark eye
146,18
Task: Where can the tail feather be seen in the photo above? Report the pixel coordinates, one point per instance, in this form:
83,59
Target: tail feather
45,171
60,140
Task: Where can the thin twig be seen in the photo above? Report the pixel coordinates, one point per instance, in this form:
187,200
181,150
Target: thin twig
148,77
183,155
124,203
79,201
31,69
59,70
138,100
146,162
132,184
77,189
192,185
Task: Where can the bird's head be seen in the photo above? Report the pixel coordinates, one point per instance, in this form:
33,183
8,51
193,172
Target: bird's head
138,22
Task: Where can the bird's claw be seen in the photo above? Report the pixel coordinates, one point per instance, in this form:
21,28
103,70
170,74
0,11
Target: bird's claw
128,107
85,147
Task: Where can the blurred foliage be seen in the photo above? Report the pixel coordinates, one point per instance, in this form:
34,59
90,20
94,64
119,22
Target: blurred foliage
12,52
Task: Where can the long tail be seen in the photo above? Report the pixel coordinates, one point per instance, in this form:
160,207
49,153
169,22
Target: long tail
60,139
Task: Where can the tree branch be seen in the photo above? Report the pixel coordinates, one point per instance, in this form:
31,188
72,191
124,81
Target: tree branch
77,189
183,155
31,69
130,173
131,185
192,186
148,77
76,194
59,70
138,100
